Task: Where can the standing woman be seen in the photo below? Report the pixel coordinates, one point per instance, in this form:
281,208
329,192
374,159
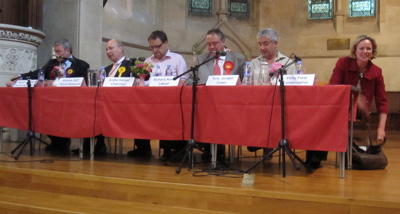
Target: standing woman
358,70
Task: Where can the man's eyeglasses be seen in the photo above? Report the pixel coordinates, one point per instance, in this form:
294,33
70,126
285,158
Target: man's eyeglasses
156,46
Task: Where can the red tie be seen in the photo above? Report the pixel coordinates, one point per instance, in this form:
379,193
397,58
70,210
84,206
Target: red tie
217,70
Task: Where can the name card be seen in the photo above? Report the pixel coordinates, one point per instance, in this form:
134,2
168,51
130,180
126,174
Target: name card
224,80
70,82
164,81
24,83
118,82
302,79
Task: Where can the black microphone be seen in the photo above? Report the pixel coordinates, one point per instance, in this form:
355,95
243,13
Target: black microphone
64,58
141,59
296,58
220,53
18,77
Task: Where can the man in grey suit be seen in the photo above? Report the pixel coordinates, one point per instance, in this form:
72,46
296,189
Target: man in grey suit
216,44
216,47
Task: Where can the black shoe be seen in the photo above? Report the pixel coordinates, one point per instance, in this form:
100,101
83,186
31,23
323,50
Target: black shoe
313,164
100,150
166,155
253,149
139,153
50,148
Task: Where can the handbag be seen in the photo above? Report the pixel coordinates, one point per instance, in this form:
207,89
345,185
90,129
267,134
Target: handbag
368,157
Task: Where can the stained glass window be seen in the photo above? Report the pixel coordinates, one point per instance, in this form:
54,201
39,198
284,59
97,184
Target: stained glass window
200,7
239,8
359,8
319,9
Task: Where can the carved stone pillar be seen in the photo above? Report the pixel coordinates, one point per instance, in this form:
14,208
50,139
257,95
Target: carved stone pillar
18,50
222,10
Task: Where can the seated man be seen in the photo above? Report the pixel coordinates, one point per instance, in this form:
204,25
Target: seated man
67,65
163,57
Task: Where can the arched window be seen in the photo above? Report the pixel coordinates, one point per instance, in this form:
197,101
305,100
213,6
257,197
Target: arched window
239,8
319,9
360,8
200,7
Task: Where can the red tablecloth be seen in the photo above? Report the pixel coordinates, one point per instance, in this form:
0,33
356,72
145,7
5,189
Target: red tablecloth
316,117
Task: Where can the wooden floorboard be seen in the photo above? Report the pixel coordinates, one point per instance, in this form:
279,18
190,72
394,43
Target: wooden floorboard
147,182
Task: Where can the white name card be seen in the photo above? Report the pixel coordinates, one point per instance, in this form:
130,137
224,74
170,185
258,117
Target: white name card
70,82
118,82
301,79
164,81
24,83
225,80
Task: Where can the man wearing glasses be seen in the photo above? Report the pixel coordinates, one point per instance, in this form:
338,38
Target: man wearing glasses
163,57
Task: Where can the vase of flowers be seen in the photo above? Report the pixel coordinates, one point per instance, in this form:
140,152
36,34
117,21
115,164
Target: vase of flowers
142,70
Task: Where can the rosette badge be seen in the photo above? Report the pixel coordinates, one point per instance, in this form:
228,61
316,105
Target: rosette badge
121,70
228,67
142,67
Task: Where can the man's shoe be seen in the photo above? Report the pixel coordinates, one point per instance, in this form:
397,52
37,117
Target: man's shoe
50,148
312,164
253,149
139,153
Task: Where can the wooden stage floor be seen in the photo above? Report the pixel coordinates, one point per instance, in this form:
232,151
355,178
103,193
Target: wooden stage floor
44,183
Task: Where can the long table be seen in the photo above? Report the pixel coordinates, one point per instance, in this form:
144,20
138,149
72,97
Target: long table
316,117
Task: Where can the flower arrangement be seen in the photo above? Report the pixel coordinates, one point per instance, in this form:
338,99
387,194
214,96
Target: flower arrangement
142,67
274,67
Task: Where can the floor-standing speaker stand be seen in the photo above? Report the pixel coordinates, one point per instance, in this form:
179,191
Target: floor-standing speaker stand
283,143
192,144
31,134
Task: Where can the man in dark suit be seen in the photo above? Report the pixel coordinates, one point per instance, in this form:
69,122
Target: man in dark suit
216,44
120,67
64,65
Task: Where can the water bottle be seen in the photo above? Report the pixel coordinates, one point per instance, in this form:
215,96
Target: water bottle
264,78
168,72
247,80
299,68
40,78
157,72
102,76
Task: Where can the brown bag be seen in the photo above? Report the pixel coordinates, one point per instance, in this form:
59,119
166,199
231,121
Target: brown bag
369,158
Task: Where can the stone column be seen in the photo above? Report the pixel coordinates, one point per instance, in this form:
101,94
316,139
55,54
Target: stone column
18,50
79,21
339,17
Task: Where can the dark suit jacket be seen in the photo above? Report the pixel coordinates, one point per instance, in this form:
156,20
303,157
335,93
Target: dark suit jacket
79,69
208,68
125,63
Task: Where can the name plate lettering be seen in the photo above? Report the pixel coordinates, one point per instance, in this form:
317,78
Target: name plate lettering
70,82
118,82
223,80
163,81
302,79
24,83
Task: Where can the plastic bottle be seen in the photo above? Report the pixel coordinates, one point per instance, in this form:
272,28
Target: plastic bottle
247,79
40,78
102,76
168,72
157,72
299,68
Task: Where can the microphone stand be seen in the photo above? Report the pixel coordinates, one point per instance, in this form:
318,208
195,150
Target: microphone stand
191,142
283,143
31,134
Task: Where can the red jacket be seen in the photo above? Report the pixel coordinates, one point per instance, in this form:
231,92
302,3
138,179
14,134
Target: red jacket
372,83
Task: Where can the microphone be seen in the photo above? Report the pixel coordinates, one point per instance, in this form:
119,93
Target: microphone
296,58
220,53
18,77
141,59
64,58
